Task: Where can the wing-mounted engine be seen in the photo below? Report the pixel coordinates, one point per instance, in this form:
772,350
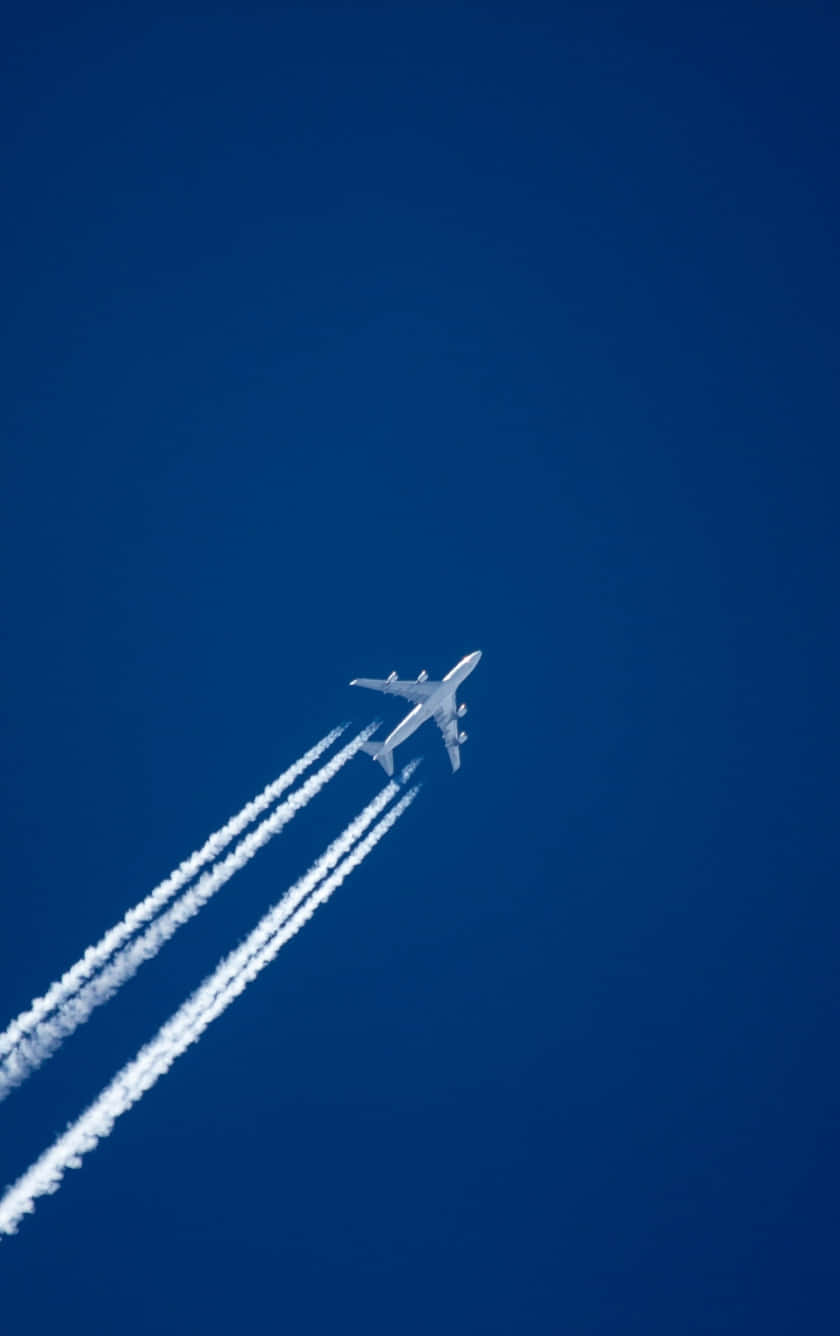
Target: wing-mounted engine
461,711
392,677
462,737
423,677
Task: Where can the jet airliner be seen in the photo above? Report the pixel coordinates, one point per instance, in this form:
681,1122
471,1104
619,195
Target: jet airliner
432,700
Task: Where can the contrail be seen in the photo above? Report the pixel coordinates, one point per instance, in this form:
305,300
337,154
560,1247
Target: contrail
95,956
182,1030
45,1036
277,918
282,913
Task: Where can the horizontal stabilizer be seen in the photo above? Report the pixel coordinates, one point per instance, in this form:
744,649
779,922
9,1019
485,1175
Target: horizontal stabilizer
377,751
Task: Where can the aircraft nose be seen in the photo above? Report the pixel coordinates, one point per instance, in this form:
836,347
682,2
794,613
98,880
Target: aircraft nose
474,658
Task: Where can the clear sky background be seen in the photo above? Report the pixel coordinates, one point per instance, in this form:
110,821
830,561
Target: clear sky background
344,340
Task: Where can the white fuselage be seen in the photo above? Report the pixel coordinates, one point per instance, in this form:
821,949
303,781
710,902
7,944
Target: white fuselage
426,709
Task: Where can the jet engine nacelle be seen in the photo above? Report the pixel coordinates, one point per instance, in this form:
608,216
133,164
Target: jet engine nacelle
462,737
392,677
422,677
461,711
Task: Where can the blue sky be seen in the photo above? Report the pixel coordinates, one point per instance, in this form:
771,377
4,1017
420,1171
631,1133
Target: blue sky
343,340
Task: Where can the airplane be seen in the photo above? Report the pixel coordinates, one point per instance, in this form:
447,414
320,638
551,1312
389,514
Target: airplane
432,700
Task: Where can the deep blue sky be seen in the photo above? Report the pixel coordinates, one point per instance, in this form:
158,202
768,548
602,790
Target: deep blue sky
343,340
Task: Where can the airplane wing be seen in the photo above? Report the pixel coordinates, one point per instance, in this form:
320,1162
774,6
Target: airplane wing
413,691
447,722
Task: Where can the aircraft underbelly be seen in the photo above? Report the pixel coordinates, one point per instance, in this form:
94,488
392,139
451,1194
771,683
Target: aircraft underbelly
404,730
431,700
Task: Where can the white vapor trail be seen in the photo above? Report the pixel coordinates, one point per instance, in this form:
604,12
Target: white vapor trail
187,1025
46,1036
278,918
95,956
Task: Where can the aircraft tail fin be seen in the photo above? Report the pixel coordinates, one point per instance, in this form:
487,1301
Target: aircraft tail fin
385,758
